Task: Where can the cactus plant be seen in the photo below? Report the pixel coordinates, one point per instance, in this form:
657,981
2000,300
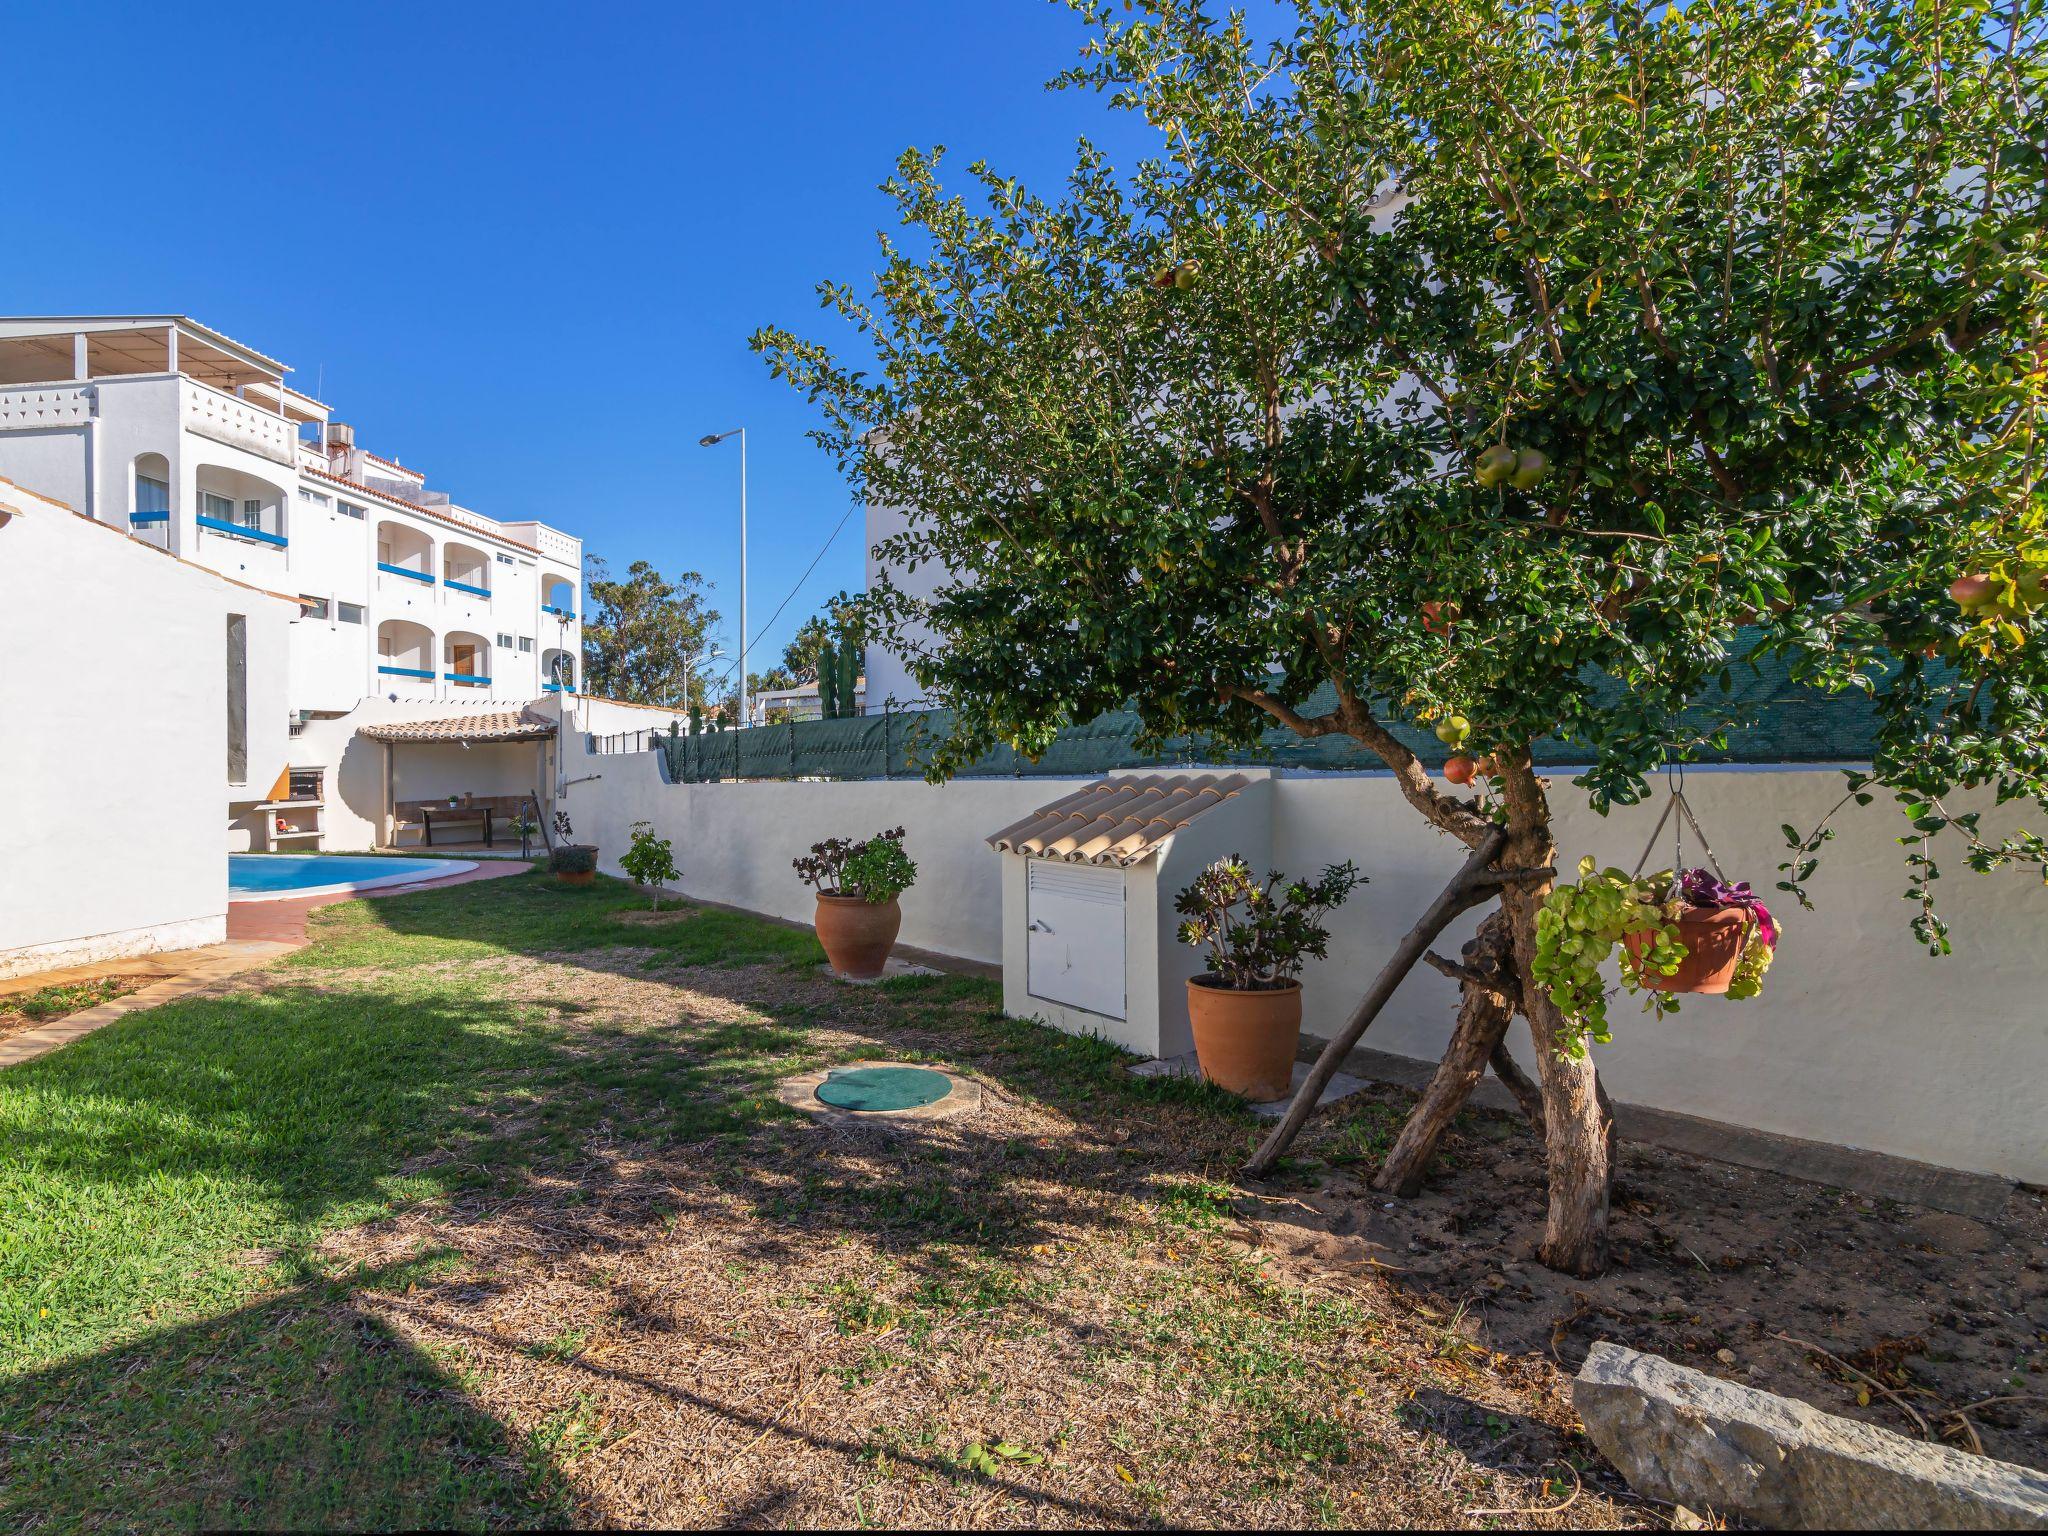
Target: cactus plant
828,683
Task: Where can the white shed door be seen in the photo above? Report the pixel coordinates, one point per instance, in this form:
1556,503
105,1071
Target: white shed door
1074,952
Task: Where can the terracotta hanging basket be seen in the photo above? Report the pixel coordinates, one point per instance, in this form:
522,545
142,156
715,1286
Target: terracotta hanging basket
1245,1040
857,934
1713,948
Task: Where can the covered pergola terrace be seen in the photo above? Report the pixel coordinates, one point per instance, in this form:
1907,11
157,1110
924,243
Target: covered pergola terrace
462,781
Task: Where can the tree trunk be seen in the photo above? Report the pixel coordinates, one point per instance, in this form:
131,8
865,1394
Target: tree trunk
1484,1015
1576,1125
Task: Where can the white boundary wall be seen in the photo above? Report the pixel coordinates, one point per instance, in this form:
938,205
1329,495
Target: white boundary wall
1860,1038
113,738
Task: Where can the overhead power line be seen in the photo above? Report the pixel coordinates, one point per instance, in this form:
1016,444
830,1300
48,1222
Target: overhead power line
733,661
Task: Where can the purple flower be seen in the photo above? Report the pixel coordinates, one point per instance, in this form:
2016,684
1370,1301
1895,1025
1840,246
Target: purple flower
1701,888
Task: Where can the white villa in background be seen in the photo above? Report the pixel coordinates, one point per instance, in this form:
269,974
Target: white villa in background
233,628
194,442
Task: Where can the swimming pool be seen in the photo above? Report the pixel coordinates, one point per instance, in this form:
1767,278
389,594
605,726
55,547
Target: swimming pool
275,876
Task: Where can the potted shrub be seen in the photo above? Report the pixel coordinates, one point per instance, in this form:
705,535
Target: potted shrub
571,863
857,885
1246,1008
1688,931
650,861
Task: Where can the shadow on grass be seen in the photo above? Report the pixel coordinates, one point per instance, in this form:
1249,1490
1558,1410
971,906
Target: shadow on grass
158,1172
300,1412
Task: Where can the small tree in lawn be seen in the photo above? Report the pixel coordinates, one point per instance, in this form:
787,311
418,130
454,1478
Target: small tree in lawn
650,861
1455,357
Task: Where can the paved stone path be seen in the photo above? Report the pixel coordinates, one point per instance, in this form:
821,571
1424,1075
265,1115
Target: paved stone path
258,932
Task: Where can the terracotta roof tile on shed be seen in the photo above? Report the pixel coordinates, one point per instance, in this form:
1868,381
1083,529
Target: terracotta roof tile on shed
485,725
1118,822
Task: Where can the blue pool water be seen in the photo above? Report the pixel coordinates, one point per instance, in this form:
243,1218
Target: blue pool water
266,876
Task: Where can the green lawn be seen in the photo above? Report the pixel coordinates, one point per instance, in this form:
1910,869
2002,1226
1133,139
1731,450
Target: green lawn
166,1178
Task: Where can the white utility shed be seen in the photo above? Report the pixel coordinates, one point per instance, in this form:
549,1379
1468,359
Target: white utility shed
1089,941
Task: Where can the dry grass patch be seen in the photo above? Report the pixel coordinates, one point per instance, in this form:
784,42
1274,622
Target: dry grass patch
1037,1315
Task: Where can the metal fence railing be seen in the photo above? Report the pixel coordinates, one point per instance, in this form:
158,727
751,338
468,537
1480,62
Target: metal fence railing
1779,721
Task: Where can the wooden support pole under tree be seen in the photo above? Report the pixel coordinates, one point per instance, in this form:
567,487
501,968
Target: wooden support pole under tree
1485,1011
1453,899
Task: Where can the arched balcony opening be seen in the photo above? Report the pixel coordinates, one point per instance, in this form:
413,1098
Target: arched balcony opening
557,671
405,658
558,596
234,504
149,498
405,562
466,569
466,659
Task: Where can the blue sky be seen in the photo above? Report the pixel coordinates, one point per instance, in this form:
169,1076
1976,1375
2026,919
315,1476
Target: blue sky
521,247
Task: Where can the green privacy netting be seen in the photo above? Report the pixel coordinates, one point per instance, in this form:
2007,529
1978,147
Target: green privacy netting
1782,722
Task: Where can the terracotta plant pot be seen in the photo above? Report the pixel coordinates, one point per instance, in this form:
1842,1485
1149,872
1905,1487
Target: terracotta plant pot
1245,1041
1713,948
857,934
573,863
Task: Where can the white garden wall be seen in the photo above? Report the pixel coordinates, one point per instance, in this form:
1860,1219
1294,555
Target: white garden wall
113,738
1860,1038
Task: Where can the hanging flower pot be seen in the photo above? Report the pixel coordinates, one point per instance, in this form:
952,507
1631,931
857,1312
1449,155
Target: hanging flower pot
1689,932
1712,940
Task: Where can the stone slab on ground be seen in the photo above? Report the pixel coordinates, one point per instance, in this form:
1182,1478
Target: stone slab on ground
894,967
1688,1438
1340,1086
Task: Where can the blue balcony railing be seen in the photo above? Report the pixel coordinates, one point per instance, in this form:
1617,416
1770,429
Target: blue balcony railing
562,613
137,519
242,531
557,687
399,570
467,677
463,586
425,672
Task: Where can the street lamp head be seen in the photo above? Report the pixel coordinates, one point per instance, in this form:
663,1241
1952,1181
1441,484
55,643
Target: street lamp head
713,439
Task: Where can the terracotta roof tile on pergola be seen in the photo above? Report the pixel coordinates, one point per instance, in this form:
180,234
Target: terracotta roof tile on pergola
492,725
1118,822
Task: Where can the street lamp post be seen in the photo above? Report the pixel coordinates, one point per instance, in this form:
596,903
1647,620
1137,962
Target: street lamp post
712,440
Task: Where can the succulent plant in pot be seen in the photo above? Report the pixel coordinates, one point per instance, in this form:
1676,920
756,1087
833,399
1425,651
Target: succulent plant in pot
857,883
571,863
1245,1010
1677,932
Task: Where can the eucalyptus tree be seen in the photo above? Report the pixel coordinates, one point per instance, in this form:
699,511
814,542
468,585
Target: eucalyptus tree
1450,359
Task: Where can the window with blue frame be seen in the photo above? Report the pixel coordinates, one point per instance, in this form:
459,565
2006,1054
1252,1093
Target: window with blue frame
151,496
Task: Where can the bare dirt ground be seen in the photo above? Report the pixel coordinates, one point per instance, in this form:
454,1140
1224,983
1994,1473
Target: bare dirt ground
1717,1267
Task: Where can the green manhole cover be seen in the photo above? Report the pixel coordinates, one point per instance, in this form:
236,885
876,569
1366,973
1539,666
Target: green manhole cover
884,1088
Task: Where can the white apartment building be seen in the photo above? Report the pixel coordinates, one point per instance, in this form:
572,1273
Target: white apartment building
196,443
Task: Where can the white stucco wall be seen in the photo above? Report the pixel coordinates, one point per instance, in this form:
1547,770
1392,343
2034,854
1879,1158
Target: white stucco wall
113,744
1859,1039
887,674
